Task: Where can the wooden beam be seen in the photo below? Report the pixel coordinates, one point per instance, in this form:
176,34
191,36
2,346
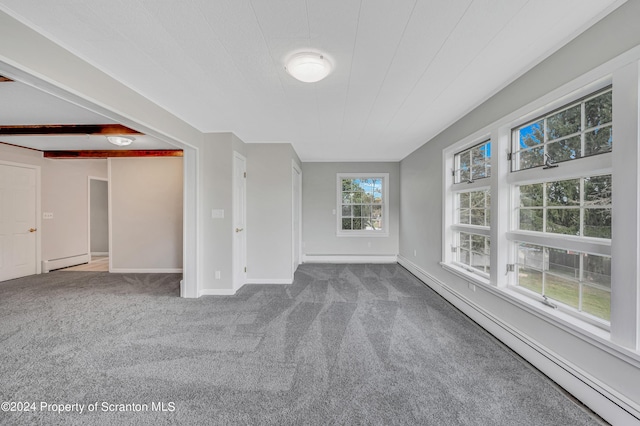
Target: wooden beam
115,153
67,129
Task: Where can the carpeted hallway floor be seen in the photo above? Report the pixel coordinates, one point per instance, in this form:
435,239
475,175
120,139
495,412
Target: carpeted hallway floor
344,344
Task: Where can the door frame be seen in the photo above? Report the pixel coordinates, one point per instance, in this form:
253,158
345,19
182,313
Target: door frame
38,209
235,262
296,173
89,179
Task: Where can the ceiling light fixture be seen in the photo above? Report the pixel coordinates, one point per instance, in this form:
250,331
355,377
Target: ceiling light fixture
120,140
308,67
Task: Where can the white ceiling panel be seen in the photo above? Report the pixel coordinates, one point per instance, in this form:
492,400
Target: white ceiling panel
403,70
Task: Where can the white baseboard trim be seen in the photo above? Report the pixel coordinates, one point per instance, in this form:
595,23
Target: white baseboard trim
608,403
347,258
65,262
269,281
216,292
99,253
146,271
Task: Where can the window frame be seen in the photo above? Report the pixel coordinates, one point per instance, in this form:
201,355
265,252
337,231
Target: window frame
384,232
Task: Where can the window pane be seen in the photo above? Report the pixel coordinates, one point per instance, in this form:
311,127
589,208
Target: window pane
465,241
464,257
465,163
464,199
566,149
464,216
563,221
531,220
564,123
478,217
530,279
562,290
366,211
596,302
531,195
531,256
346,197
477,199
531,158
597,270
597,223
563,193
565,263
346,211
598,110
357,211
531,135
346,224
597,191
477,243
479,261
598,141
478,163
357,223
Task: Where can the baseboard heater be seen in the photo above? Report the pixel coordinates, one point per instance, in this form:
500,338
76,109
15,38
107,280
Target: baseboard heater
64,262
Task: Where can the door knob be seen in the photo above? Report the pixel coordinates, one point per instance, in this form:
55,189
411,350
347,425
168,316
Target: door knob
33,229
239,229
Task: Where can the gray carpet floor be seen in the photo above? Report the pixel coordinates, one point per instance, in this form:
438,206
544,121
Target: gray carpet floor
344,344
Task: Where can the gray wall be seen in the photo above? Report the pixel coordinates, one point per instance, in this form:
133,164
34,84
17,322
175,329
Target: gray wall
146,213
269,211
99,216
421,192
319,201
216,192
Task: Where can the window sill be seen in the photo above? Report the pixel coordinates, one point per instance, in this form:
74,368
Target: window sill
465,274
365,234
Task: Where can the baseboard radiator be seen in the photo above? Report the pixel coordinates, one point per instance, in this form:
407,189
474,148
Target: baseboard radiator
64,262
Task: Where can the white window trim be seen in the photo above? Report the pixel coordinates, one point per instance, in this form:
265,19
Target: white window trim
384,232
623,74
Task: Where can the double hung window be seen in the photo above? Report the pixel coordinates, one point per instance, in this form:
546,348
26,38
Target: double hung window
362,204
561,228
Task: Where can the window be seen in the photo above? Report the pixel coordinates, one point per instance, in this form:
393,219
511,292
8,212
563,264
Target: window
470,216
561,233
577,130
362,204
473,163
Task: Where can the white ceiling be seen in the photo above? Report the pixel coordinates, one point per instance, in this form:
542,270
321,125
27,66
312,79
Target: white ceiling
404,69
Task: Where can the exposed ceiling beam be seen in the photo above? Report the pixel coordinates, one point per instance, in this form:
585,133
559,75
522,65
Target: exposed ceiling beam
67,129
103,153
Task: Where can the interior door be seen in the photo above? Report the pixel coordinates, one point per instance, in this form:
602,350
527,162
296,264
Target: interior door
18,220
239,221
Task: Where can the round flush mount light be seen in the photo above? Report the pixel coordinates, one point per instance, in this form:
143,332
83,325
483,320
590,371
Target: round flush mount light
308,67
120,140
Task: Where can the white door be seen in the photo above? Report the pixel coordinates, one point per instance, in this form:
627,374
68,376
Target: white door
239,220
18,243
296,176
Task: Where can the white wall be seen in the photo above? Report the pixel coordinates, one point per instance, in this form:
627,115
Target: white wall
146,214
612,371
319,200
269,212
99,216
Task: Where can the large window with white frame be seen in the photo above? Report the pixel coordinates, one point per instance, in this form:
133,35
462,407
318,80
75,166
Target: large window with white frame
553,227
363,207
561,232
471,212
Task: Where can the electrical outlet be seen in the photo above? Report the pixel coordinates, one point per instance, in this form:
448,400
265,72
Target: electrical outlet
472,287
415,253
47,215
217,275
